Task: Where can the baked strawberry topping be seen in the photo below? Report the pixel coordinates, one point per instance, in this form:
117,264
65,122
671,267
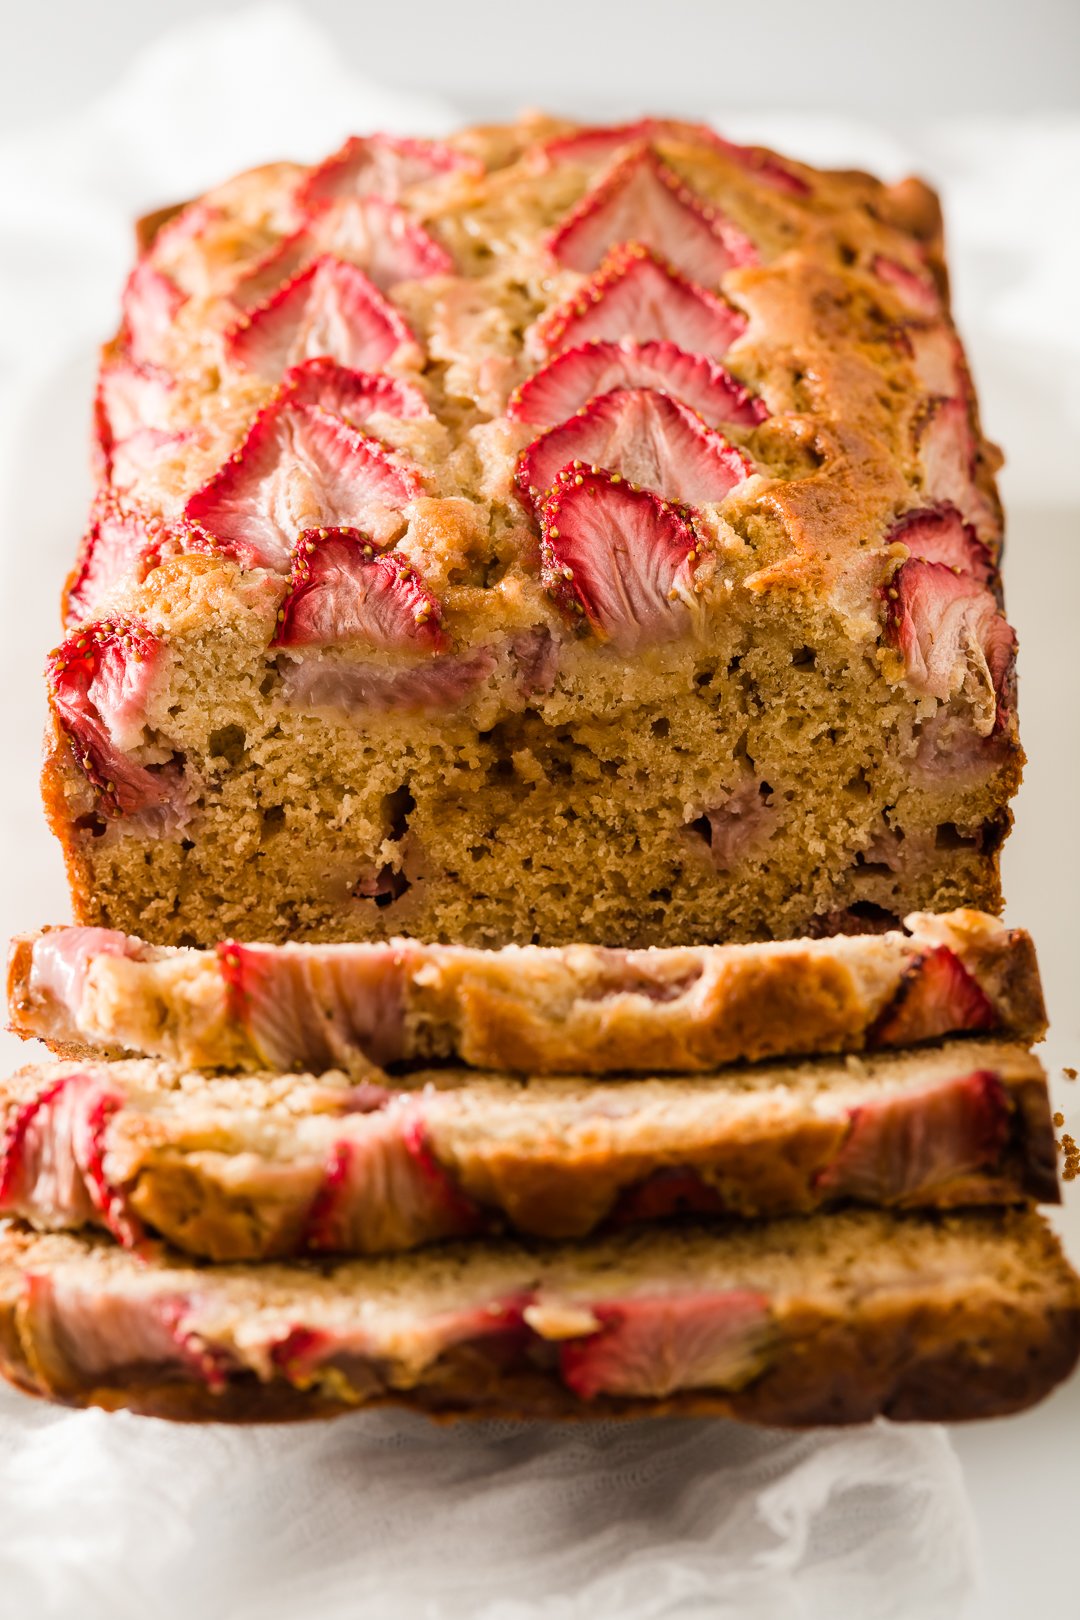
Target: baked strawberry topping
99,681
641,199
331,309
949,631
652,1346
356,396
636,295
369,232
382,166
948,454
568,382
131,397
596,144
150,304
342,590
905,1147
937,356
916,290
122,542
648,438
300,468
939,534
347,689
621,558
314,1009
938,996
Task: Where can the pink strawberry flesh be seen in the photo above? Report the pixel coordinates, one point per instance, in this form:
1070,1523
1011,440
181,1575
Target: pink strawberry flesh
356,396
948,453
331,309
654,1345
381,166
648,438
738,826
61,958
944,623
300,468
150,304
938,996
130,397
636,295
568,382
917,291
99,681
316,1008
621,558
343,591
435,686
939,534
668,1193
903,1148
603,141
641,199
120,543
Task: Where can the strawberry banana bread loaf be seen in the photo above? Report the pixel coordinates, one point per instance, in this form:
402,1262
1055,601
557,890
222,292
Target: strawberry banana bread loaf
551,533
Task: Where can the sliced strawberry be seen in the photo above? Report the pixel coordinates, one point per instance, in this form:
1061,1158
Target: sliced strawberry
739,825
381,166
642,200
939,534
300,468
354,395
948,454
655,1345
595,144
937,356
437,685
331,309
24,1151
946,624
764,165
668,1193
150,304
620,557
647,437
534,654
62,957
567,383
341,590
917,291
89,1127
907,1147
130,397
141,452
368,232
937,996
121,543
314,1009
636,295
99,680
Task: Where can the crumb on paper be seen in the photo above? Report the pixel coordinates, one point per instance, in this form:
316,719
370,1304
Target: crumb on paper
1059,1120
1069,1073
1071,1167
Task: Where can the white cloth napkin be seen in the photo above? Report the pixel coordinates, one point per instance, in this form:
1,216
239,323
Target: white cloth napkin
385,1514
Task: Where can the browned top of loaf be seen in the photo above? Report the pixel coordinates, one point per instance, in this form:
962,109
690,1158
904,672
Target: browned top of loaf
848,343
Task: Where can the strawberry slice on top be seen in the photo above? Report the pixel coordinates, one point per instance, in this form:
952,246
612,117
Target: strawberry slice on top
130,396
354,395
150,303
342,590
916,291
574,377
649,438
642,199
939,534
329,309
382,166
603,141
636,295
301,468
948,455
620,558
123,542
946,625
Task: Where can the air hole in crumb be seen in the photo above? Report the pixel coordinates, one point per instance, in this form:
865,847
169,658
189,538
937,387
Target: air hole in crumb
228,743
848,254
187,843
268,682
479,852
397,807
661,727
950,836
273,819
569,814
661,894
704,677
804,658
188,941
94,825
383,887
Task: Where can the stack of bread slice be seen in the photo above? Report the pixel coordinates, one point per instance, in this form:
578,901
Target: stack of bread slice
792,1182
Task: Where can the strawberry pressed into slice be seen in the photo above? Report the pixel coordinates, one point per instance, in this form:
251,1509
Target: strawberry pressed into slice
353,689
654,1345
948,454
945,624
636,295
354,395
121,542
99,680
621,558
130,397
381,166
647,437
342,591
568,382
939,534
150,304
301,468
641,199
603,141
938,996
916,290
330,309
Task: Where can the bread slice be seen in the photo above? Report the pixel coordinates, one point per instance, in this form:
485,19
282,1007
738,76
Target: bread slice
548,533
799,1322
273,1165
578,1009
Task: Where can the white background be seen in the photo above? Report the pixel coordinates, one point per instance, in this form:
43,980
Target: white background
983,97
